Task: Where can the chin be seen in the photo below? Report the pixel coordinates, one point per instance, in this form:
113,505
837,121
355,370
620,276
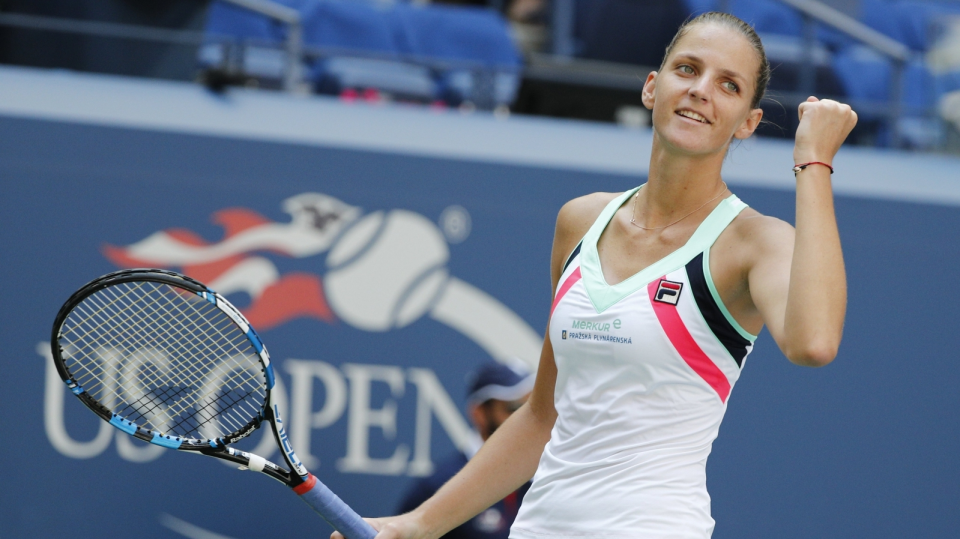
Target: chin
692,146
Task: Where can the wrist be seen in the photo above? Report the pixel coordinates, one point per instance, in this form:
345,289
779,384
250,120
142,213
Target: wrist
804,156
801,166
419,521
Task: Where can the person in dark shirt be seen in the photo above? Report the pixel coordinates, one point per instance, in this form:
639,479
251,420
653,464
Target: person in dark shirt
495,392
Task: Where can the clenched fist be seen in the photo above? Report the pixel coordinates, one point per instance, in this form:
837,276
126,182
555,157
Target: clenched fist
824,125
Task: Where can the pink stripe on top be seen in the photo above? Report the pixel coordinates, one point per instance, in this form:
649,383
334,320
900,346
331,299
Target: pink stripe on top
688,348
565,287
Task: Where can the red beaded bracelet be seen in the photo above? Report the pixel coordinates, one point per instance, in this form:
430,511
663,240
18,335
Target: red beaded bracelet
798,168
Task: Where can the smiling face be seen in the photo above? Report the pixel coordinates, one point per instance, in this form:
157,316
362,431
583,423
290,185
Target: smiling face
702,96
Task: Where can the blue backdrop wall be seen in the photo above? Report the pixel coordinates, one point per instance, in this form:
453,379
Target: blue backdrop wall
459,249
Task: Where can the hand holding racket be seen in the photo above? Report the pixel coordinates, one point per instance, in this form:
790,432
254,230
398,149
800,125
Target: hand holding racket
167,360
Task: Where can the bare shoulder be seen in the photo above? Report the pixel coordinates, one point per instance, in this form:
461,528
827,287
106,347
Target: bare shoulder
573,221
761,234
577,215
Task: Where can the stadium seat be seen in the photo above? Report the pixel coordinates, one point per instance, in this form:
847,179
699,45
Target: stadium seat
917,21
346,32
410,52
771,17
909,22
882,16
349,25
401,80
786,55
768,16
256,40
866,75
482,61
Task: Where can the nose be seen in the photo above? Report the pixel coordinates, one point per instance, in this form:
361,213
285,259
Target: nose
700,88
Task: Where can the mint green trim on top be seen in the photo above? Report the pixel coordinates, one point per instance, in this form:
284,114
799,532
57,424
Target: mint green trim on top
603,295
716,298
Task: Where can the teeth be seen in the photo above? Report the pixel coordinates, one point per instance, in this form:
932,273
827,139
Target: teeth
692,115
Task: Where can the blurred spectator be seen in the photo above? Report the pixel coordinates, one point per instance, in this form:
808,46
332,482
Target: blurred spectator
945,54
527,18
528,21
526,11
515,10
943,59
481,3
496,391
950,112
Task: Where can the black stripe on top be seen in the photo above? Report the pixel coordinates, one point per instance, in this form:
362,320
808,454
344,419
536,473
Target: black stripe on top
719,325
572,256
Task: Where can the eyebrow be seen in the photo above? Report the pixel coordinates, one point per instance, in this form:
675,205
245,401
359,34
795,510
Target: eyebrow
727,72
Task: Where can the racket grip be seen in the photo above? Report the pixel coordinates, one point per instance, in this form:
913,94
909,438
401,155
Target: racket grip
337,513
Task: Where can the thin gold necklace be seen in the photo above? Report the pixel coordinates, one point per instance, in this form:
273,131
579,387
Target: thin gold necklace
633,218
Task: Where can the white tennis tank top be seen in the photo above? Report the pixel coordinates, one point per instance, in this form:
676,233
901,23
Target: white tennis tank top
644,370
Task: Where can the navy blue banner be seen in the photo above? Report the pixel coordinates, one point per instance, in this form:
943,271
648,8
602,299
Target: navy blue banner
378,281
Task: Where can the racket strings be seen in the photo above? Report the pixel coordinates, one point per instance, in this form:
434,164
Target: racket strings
254,379
172,361
148,403
147,398
194,336
210,309
122,331
180,337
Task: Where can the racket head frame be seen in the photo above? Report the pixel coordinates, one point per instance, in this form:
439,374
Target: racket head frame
219,447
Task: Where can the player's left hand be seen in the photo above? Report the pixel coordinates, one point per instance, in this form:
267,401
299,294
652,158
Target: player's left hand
824,125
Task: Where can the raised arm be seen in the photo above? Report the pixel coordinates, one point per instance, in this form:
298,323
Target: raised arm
797,280
509,458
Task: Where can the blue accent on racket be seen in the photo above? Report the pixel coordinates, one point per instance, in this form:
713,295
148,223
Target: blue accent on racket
255,339
271,380
126,426
166,441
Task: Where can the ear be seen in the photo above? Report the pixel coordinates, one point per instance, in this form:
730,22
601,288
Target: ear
749,125
479,420
649,90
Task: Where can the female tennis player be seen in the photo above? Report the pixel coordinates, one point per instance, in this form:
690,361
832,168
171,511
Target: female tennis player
659,293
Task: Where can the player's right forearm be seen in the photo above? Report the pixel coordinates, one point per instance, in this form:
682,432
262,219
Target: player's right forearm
505,462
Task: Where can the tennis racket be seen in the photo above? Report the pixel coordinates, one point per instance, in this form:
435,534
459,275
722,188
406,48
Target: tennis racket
165,359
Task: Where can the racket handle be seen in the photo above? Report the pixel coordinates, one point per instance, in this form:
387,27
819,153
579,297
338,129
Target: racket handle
337,513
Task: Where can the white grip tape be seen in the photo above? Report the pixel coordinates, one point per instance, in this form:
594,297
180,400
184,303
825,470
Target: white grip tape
257,463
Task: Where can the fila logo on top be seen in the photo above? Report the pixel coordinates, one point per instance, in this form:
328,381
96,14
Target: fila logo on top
668,292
